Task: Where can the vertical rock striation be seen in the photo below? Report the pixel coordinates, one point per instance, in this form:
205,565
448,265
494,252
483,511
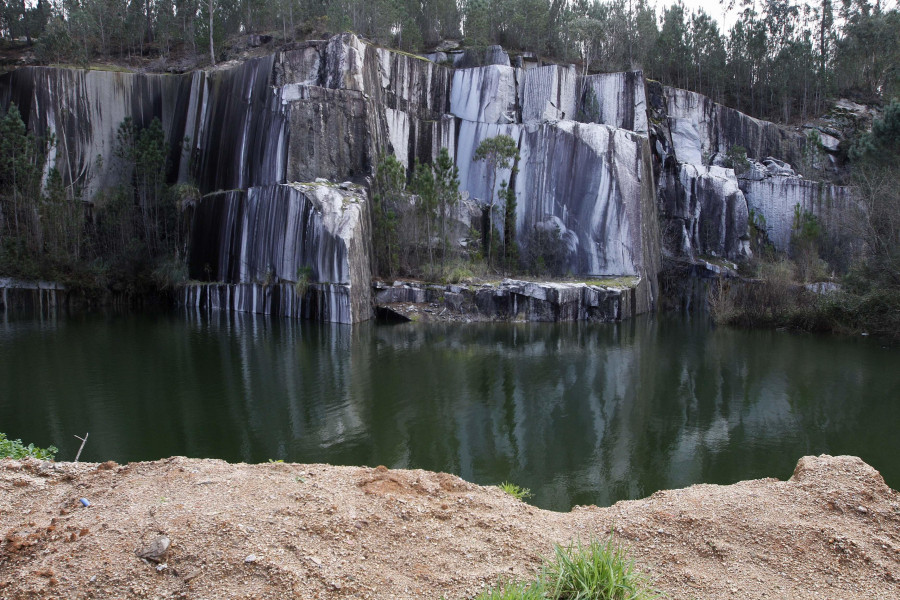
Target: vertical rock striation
616,99
706,211
295,250
702,129
779,198
603,158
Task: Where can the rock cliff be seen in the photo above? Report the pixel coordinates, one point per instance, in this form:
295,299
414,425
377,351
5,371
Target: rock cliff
605,159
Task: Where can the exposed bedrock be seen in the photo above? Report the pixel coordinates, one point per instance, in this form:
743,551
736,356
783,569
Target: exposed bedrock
485,94
705,212
593,151
307,242
329,134
548,93
514,300
701,129
616,99
778,198
595,188
84,109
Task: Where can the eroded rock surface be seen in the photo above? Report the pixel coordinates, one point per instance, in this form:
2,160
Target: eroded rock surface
604,159
290,250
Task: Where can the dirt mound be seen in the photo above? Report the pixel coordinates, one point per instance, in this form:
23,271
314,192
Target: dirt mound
185,528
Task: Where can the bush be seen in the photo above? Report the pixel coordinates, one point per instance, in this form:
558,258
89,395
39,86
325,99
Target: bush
601,570
16,449
736,158
544,251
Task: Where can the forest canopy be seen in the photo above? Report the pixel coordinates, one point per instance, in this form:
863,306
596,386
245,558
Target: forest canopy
780,60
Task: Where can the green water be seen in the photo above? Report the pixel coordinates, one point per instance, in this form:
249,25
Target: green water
579,413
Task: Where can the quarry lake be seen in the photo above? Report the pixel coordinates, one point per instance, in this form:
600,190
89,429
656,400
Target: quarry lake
578,413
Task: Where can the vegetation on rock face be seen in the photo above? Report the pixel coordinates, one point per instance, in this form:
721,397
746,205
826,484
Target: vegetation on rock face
868,298
134,241
498,153
600,570
417,235
16,449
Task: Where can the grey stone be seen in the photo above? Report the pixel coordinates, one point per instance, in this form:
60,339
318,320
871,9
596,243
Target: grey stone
156,550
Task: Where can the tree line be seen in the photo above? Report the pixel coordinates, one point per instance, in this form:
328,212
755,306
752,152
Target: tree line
780,60
128,238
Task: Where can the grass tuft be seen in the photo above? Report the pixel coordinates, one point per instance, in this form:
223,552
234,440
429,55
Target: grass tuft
519,493
599,571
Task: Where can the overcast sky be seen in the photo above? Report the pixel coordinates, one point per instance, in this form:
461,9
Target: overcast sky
717,10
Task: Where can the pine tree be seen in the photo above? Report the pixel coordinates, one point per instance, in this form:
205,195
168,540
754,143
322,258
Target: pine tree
498,152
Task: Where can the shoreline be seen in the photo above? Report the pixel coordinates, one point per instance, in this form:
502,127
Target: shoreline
275,530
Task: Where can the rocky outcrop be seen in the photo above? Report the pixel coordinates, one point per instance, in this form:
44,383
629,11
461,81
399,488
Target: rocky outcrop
701,129
548,94
485,95
603,159
616,99
779,199
706,212
291,250
515,300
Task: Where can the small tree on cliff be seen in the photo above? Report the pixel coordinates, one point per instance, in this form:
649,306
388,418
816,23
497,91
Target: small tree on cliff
423,185
22,158
388,188
510,247
498,152
446,186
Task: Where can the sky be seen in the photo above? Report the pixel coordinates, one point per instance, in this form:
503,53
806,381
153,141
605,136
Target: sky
726,19
712,7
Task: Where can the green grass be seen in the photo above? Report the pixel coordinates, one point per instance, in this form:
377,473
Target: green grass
16,449
519,493
600,570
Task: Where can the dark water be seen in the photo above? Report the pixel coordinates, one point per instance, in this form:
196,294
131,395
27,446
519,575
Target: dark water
578,413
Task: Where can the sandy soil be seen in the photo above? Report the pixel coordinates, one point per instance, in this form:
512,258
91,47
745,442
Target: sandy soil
317,531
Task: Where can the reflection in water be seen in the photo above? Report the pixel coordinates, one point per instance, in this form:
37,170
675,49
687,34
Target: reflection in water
579,413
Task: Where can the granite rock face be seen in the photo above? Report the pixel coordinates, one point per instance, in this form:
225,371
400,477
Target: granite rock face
778,199
604,159
548,94
701,129
294,250
706,211
616,99
515,300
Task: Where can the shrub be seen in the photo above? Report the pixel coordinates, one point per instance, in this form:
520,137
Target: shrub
16,449
304,278
600,570
736,158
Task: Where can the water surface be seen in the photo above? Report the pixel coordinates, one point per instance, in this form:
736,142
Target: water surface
579,413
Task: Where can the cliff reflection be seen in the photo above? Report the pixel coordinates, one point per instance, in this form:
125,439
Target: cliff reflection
578,413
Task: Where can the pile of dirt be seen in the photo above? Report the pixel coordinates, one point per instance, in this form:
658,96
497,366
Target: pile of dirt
185,528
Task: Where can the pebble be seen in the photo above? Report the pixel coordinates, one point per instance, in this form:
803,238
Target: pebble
251,558
156,549
862,509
